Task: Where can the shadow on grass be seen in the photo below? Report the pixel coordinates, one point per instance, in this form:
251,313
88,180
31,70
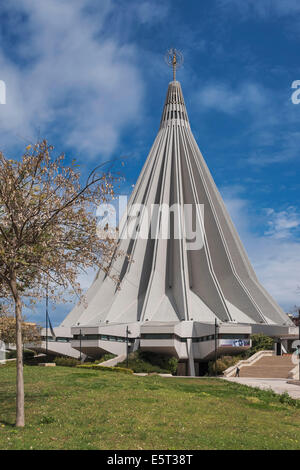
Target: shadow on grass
7,423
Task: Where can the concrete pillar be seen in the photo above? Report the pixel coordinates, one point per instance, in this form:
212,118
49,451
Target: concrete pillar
284,346
191,365
136,344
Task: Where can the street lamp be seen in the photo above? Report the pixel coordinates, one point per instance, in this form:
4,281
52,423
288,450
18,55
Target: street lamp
299,341
80,344
216,345
47,315
127,345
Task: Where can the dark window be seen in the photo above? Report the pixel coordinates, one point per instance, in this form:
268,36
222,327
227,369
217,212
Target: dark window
232,336
157,336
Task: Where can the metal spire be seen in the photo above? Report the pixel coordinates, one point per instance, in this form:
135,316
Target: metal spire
174,59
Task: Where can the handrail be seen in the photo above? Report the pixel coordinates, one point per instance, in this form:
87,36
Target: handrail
247,362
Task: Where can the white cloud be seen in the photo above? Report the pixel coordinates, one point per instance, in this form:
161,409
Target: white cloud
283,146
275,256
282,224
229,100
263,8
272,120
277,266
69,79
151,12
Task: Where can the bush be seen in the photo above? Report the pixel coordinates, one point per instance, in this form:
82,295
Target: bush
27,354
11,354
167,363
139,366
286,399
172,365
222,364
106,357
261,342
148,362
104,369
66,361
35,360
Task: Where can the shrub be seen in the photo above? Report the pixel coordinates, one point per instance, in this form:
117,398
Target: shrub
286,399
140,366
222,364
172,365
261,342
11,354
35,360
27,354
66,361
154,362
104,369
106,357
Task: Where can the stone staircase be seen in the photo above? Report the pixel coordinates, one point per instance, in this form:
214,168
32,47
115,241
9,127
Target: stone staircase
269,367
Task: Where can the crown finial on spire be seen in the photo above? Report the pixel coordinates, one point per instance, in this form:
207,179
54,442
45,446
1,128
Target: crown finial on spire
174,59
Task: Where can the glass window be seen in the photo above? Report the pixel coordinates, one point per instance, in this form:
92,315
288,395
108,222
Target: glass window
233,336
157,336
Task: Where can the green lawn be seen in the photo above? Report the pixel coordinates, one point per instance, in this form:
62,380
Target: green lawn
69,408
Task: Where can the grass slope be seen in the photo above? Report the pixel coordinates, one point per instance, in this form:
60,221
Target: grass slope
69,408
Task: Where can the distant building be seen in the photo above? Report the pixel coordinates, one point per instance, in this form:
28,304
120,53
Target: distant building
295,319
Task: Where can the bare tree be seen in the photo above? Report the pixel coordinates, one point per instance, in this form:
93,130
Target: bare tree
47,232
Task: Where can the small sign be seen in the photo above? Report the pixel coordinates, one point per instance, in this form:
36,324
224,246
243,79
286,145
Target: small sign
235,343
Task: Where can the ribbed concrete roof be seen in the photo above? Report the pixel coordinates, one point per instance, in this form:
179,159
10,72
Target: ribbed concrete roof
167,281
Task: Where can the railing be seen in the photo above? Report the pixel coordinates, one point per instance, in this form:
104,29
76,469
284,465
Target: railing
247,362
294,373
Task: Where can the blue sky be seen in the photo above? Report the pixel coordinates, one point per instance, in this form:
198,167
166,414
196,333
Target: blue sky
89,76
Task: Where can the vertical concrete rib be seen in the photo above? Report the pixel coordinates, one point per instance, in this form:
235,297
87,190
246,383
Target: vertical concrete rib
167,280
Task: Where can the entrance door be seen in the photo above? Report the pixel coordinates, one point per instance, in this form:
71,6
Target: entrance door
278,349
181,368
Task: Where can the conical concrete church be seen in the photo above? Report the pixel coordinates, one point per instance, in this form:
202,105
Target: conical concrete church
186,284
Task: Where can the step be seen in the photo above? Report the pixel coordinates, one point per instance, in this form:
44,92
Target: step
269,367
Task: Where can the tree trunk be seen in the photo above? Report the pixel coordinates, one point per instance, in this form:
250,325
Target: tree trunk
20,418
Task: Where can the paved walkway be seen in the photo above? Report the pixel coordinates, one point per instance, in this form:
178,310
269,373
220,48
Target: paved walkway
4,361
277,385
114,361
